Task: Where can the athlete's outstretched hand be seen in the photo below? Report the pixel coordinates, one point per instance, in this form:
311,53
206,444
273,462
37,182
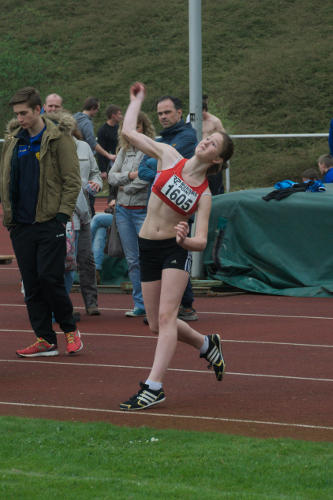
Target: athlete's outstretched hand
137,91
182,230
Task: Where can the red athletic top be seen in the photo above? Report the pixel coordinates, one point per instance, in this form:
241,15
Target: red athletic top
171,188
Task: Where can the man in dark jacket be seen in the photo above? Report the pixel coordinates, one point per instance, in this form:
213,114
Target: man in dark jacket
181,136
39,184
107,137
176,132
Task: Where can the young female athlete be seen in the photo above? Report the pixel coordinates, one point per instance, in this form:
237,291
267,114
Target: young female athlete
180,188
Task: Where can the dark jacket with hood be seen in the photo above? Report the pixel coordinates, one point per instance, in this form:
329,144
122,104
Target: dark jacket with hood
182,136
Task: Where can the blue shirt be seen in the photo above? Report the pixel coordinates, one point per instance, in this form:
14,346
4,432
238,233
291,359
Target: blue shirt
328,177
28,176
181,136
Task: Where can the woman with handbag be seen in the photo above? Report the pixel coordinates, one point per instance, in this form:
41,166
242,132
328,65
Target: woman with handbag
131,206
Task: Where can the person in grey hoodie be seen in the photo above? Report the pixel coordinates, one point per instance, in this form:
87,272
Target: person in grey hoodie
86,127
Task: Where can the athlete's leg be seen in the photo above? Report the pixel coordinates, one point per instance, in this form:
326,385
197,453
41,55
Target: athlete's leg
188,335
151,291
172,288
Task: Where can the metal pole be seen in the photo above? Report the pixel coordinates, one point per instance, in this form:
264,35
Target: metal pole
195,65
195,77
227,178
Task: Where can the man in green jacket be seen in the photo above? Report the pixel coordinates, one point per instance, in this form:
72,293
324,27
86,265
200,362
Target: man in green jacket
39,184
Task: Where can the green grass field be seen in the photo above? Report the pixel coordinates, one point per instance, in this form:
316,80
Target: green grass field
266,67
42,459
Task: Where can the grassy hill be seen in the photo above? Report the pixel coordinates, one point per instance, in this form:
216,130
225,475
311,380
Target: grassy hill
267,66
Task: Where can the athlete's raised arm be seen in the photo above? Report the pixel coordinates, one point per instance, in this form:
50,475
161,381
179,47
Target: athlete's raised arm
164,152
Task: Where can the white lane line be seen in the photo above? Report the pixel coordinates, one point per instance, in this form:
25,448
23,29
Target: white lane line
170,415
152,337
219,313
13,305
277,343
263,315
207,372
3,330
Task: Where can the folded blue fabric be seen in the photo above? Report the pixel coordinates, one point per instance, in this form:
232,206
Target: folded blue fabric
284,184
316,186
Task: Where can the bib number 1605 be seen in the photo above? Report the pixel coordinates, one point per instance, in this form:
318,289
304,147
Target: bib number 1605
180,198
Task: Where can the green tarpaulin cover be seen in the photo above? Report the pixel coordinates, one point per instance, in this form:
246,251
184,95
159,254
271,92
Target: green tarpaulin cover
276,247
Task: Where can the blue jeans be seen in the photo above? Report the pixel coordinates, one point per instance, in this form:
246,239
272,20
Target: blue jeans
69,279
98,225
129,223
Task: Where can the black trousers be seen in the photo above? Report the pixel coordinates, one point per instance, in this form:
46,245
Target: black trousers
40,251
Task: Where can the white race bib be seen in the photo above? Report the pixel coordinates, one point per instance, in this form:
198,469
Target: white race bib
179,193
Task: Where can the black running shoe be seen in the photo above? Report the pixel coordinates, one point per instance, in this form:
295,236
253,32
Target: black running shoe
144,398
214,355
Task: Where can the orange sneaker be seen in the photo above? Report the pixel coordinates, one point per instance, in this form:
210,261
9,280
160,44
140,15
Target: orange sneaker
40,348
74,342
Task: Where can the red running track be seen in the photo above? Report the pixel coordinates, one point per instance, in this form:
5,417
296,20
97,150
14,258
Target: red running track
278,382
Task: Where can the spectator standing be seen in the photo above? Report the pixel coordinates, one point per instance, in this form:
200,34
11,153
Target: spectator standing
107,137
182,137
99,226
131,206
210,123
91,184
86,127
40,182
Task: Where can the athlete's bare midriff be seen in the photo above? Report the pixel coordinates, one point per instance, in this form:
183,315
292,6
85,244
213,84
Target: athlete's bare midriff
160,220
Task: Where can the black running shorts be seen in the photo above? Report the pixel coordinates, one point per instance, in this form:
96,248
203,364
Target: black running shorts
156,255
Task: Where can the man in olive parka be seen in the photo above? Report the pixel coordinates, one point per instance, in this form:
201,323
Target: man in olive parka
39,184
